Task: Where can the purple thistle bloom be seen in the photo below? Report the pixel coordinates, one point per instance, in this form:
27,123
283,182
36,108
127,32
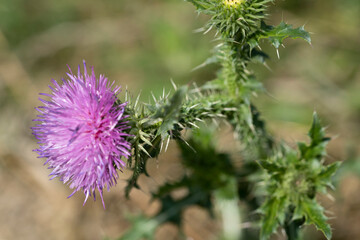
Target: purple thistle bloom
81,133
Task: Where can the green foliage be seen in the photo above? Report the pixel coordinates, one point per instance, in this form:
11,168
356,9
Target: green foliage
293,179
276,35
151,125
241,26
273,210
314,214
168,114
208,172
316,149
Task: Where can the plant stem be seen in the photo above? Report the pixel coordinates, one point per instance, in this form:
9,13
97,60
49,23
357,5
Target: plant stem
292,230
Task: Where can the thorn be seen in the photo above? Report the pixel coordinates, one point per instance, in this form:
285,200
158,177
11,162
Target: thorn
126,93
137,99
219,45
267,66
143,149
144,139
173,84
277,53
195,105
215,122
330,197
198,67
198,30
187,144
193,124
208,29
167,143
329,213
152,94
180,125
167,95
161,145
216,102
200,120
230,109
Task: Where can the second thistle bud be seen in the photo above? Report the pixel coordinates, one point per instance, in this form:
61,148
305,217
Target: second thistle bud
233,19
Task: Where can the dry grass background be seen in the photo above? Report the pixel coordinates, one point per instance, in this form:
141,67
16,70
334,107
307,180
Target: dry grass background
142,45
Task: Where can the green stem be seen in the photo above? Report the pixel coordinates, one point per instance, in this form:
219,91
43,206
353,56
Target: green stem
292,230
227,203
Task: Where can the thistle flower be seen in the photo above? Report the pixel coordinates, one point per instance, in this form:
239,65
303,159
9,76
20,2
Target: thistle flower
82,132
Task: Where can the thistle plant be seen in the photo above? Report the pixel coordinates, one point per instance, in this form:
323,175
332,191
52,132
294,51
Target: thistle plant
86,134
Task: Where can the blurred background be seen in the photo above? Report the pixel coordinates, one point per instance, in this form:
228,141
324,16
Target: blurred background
143,44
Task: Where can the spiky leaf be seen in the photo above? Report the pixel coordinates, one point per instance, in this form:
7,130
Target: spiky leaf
273,211
317,147
314,214
170,111
276,35
317,132
327,173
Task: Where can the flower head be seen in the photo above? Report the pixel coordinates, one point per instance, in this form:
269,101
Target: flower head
81,132
232,3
